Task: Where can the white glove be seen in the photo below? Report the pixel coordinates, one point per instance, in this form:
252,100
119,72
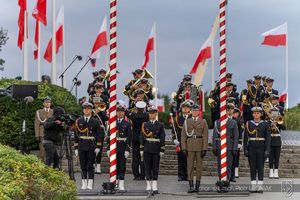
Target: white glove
176,142
107,153
161,154
97,150
126,154
76,152
142,155
240,146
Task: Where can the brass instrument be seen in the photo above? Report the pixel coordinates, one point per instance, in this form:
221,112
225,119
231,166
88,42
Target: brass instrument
279,120
101,106
211,102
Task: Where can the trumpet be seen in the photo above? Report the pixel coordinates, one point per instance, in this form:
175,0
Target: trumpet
101,106
279,120
211,102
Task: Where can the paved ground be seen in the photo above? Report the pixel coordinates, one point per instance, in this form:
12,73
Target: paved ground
171,189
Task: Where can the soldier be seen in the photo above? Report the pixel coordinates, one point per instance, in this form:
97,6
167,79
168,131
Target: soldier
138,117
87,143
124,135
214,103
246,99
259,91
277,125
152,148
233,96
236,158
41,116
269,88
194,142
231,140
139,95
257,147
176,130
105,81
91,85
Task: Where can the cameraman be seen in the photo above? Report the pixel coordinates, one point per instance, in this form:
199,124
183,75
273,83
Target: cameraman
52,127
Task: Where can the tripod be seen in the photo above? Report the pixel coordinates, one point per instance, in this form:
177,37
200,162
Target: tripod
66,148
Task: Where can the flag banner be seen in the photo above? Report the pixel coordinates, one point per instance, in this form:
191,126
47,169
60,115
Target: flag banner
276,36
149,48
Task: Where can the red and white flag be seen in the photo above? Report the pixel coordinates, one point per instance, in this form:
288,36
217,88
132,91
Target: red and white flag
283,97
276,36
21,25
59,36
36,39
100,42
149,48
204,54
39,11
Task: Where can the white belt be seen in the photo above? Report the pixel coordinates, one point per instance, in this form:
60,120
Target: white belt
87,137
121,139
152,140
257,139
275,135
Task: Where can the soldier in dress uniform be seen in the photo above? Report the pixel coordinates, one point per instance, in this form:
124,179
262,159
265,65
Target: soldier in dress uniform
87,143
246,99
257,141
105,81
91,86
269,88
277,124
231,140
236,158
259,91
176,130
231,94
214,103
137,117
194,142
41,116
124,136
152,148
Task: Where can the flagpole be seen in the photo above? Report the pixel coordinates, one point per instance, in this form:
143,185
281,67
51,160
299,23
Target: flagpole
64,84
39,52
53,69
25,49
155,66
287,68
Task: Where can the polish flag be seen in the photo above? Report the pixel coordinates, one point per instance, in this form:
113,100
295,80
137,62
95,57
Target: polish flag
100,41
149,48
276,36
36,39
160,104
21,25
39,11
59,36
283,97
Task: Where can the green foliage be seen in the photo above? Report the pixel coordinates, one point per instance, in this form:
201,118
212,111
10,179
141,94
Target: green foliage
292,118
12,111
26,177
3,40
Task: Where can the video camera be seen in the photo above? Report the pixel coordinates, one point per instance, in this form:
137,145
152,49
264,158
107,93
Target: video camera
68,119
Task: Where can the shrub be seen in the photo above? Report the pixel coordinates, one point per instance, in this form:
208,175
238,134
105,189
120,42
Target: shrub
26,177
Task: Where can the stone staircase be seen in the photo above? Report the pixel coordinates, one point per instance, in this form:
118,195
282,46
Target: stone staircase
289,163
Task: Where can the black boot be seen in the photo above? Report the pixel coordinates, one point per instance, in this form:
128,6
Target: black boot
191,190
197,186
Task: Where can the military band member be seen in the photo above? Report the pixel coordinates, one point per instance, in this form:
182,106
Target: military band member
214,103
137,117
152,148
91,88
105,81
176,130
234,96
132,85
257,147
194,142
246,98
231,141
269,88
277,124
236,158
87,143
259,91
41,116
139,95
124,136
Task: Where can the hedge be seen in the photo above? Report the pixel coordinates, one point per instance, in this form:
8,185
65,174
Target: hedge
12,110
26,177
292,118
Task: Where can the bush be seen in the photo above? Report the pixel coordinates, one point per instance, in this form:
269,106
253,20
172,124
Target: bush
12,111
292,118
26,177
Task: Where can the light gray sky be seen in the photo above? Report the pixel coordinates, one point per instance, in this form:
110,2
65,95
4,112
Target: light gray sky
182,27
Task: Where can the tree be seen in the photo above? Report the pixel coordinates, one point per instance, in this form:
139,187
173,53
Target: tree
3,40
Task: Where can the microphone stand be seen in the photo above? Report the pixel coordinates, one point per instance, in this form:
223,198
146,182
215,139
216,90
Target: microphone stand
62,74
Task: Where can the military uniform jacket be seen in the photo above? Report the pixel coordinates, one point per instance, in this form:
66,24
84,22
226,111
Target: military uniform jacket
235,97
124,135
194,135
178,124
87,135
232,134
152,139
247,103
275,136
257,134
40,118
240,124
137,118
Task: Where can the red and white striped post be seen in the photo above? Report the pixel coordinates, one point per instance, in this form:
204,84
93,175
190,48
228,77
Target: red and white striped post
113,91
223,117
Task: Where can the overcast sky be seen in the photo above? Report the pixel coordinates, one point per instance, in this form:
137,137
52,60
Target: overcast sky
182,27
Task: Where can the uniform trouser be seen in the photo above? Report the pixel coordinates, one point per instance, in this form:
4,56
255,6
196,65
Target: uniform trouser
99,155
42,149
86,159
274,157
182,164
121,166
235,163
256,161
229,160
138,167
151,165
51,155
193,156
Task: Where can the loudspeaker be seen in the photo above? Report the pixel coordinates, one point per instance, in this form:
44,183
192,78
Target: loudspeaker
22,91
